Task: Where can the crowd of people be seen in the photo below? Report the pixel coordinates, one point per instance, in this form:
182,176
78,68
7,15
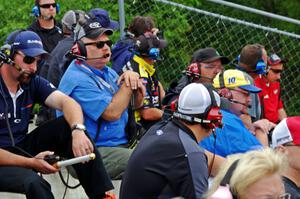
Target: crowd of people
226,124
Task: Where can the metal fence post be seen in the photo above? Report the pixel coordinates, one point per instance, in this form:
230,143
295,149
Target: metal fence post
121,17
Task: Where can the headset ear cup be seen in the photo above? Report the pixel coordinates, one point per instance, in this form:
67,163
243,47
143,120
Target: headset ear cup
261,67
36,11
6,49
225,92
81,48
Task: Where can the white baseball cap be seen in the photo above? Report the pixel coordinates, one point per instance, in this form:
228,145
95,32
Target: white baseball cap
195,99
288,130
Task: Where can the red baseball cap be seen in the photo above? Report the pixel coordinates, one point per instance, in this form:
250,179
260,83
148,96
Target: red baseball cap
274,59
288,130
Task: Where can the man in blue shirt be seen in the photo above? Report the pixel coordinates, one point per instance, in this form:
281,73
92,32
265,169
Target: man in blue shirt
20,89
233,137
96,87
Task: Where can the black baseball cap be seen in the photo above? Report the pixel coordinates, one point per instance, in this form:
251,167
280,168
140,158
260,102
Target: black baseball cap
207,55
144,43
92,28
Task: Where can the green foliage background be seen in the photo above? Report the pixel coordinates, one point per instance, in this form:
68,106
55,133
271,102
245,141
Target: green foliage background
181,26
15,14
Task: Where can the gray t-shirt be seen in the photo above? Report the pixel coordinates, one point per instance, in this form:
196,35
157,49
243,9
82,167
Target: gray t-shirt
255,110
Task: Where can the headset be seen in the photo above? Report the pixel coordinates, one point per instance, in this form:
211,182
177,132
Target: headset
210,119
151,52
78,51
194,73
225,92
224,190
8,52
37,12
260,66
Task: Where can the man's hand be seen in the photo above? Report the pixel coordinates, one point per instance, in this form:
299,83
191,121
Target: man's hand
41,165
139,96
131,79
81,144
264,124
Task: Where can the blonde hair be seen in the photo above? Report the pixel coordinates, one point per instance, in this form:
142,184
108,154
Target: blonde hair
252,166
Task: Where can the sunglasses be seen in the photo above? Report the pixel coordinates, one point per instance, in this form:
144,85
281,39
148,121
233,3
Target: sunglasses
213,67
276,70
48,5
100,44
27,59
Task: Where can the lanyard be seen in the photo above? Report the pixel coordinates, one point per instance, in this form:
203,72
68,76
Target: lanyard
102,81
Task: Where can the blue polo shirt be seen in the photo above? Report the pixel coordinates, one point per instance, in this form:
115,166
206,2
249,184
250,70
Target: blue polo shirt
93,90
20,106
232,138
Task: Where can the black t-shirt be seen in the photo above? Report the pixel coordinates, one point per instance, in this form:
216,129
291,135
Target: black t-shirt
166,163
291,187
49,37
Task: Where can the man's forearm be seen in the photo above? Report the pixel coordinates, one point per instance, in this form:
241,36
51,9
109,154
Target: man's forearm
282,114
10,159
72,112
118,104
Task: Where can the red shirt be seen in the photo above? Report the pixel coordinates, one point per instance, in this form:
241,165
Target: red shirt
269,98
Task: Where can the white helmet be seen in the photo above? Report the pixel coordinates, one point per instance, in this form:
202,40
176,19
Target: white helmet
195,99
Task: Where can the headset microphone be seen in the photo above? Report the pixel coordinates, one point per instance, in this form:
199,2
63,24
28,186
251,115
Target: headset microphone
237,102
73,55
100,57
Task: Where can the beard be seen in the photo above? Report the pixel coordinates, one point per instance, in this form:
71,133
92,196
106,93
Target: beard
25,77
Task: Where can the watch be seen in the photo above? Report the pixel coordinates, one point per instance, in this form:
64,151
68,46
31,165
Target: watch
78,127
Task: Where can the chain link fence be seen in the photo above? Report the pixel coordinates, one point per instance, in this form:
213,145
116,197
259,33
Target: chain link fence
188,29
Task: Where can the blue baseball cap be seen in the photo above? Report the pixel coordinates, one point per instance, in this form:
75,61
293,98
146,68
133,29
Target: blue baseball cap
102,17
29,43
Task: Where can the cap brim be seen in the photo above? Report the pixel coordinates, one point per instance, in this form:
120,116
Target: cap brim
114,25
33,52
224,60
99,31
250,88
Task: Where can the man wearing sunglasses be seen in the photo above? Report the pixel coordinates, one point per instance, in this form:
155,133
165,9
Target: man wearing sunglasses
102,94
271,103
286,140
50,31
65,136
45,25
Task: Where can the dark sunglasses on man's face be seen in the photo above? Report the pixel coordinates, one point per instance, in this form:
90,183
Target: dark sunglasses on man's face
276,70
48,5
100,44
27,59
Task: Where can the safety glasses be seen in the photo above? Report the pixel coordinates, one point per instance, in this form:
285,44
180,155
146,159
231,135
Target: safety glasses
27,59
48,5
100,44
